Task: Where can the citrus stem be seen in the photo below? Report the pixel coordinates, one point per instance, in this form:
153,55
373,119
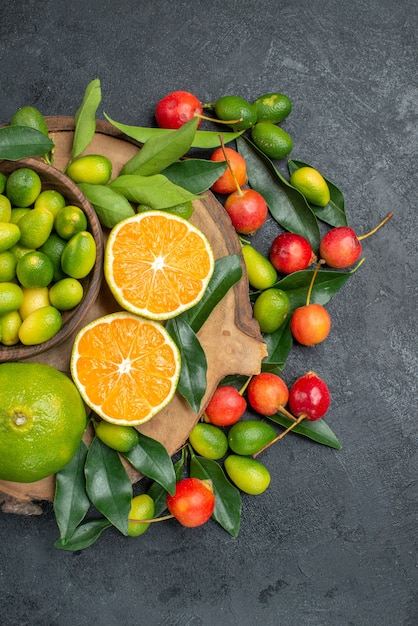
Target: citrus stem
150,521
239,190
308,297
283,434
216,121
386,219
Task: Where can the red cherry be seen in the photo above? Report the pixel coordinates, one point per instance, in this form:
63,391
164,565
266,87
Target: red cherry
177,108
225,407
310,324
340,247
309,396
291,252
266,393
193,502
247,210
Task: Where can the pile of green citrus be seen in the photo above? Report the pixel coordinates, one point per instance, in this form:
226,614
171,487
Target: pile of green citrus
45,251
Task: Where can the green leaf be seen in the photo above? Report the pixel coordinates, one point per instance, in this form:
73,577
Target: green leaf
155,191
287,205
110,206
160,151
20,142
318,431
327,284
278,345
196,175
150,458
228,502
227,272
192,382
203,138
85,118
108,485
159,494
71,501
84,536
334,212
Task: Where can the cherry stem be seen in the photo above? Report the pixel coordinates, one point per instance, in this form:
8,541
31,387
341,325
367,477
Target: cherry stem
239,190
150,521
287,413
245,385
212,119
283,434
308,297
387,218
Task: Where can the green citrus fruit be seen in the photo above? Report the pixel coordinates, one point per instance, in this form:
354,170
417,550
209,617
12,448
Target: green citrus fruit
272,140
66,293
234,108
9,328
116,436
20,251
70,220
5,208
30,116
311,184
209,441
260,271
35,227
35,269
142,508
53,248
33,298
95,169
272,107
17,213
11,297
248,474
3,179
42,420
271,309
249,436
8,263
23,186
51,200
9,235
40,325
79,255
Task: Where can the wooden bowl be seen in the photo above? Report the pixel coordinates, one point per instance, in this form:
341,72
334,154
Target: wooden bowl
54,179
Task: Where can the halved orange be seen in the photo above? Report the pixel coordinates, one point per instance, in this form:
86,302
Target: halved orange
126,367
157,264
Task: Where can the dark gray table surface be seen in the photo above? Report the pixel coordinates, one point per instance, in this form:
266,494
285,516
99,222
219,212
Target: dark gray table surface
333,541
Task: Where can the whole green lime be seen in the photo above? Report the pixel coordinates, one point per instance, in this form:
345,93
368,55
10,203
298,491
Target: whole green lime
272,140
249,436
42,420
95,169
311,184
30,116
272,107
142,508
116,436
23,186
260,271
236,108
271,309
248,474
40,325
209,441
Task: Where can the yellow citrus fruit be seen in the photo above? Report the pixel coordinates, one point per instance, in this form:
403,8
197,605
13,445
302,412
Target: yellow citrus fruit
272,107
236,108
53,248
116,436
142,508
311,184
9,328
272,140
66,293
260,271
35,227
79,255
30,116
17,213
11,297
249,436
3,179
91,168
271,309
248,474
40,325
70,220
51,200
209,441
157,264
42,420
33,298
7,266
35,269
9,235
23,186
126,367
5,208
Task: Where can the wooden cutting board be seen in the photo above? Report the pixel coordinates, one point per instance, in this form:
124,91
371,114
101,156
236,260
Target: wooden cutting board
230,337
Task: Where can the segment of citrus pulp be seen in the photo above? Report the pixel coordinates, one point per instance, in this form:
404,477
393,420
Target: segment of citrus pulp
157,265
126,367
